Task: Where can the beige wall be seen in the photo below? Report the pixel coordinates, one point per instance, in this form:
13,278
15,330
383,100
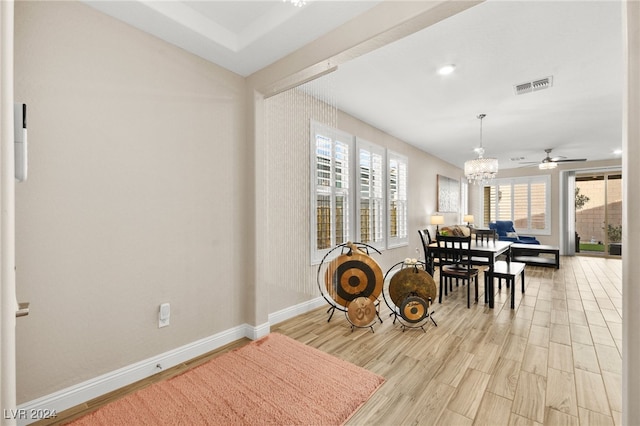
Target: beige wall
135,196
630,224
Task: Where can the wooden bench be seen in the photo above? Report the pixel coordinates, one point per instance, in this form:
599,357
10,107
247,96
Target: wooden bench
508,271
530,254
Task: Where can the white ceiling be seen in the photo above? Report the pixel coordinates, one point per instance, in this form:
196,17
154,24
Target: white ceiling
494,45
242,36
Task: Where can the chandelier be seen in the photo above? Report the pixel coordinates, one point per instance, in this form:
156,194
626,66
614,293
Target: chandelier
481,170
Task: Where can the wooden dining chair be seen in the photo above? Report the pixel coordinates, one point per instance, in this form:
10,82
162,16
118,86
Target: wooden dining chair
429,257
485,235
455,262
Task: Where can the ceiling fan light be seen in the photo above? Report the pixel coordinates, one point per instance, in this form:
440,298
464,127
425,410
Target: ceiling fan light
548,165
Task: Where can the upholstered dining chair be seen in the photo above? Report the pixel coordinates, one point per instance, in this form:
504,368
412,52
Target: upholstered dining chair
454,256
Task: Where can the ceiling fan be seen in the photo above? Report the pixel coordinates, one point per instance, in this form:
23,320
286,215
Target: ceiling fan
551,163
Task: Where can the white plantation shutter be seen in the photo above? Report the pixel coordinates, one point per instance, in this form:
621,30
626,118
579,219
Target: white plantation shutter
397,181
539,213
525,201
370,201
504,202
342,205
520,206
359,192
331,171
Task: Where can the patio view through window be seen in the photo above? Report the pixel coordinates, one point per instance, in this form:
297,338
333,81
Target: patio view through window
598,199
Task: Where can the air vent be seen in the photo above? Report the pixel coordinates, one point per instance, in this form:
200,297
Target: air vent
523,88
533,86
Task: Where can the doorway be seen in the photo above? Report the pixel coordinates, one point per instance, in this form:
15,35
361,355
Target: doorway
598,214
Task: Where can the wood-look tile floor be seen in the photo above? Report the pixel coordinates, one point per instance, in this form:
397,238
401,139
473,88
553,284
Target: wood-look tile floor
555,359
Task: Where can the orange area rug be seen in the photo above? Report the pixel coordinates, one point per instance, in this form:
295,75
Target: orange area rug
275,380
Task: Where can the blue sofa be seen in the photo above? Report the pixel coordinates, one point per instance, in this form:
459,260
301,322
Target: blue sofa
503,227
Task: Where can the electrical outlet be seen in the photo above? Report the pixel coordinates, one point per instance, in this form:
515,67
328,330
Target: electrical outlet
164,314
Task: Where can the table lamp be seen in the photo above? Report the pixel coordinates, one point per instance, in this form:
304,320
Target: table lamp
437,219
469,219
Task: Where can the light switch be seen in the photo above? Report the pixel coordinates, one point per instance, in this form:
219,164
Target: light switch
164,315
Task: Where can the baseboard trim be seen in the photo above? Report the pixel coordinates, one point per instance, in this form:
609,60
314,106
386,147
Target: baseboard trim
294,311
101,385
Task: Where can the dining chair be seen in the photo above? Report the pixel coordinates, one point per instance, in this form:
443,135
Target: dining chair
485,235
429,257
455,261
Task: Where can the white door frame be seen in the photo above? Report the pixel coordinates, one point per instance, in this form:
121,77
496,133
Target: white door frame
8,305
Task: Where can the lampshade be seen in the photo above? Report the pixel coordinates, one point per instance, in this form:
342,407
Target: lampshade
437,219
468,218
481,170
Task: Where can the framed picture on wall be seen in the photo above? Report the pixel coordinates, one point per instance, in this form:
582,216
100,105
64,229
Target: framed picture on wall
448,195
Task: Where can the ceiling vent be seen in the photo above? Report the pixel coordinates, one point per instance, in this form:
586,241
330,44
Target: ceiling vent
533,86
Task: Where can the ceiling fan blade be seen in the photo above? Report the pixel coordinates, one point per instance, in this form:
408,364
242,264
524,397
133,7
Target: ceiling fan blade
555,159
569,160
529,164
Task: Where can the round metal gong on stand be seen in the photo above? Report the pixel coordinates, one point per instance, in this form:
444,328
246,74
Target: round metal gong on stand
352,276
361,312
410,292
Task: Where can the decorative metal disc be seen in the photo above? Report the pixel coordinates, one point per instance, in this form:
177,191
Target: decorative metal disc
411,281
361,311
414,309
352,275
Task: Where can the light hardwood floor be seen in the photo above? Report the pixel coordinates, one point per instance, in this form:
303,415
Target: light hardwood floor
554,359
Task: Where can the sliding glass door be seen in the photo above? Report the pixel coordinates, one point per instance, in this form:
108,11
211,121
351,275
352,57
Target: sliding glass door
598,213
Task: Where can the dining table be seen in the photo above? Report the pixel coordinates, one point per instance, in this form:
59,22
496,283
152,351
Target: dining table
483,253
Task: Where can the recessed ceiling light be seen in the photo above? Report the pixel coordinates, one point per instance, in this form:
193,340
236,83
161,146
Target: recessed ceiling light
617,152
447,69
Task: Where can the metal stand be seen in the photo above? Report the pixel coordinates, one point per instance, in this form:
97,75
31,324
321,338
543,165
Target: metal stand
395,311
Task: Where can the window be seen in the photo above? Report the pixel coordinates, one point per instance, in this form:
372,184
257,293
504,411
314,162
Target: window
525,201
358,193
371,194
331,189
397,200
